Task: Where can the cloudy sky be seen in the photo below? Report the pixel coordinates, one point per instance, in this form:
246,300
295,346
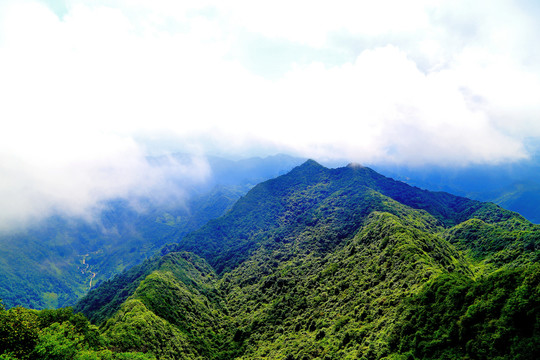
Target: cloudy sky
89,88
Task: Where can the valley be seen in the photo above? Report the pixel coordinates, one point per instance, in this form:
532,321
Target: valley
86,270
42,261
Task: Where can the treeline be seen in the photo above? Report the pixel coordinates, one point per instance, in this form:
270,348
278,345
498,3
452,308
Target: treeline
55,334
454,317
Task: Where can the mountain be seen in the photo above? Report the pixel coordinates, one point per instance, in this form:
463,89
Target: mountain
334,264
514,186
53,263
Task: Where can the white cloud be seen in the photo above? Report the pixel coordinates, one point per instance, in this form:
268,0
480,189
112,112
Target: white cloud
446,82
74,176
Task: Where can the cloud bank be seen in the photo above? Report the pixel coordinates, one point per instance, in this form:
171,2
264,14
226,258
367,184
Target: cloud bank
89,88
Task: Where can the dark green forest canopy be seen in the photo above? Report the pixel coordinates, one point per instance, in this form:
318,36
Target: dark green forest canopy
333,264
334,200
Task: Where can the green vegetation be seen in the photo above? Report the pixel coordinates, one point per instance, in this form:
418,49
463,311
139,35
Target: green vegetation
41,266
54,334
513,240
338,305
324,264
494,317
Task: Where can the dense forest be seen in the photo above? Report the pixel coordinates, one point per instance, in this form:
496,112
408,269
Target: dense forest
54,262
315,264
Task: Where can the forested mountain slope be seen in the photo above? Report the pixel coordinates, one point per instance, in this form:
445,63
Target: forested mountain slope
514,186
332,202
334,264
55,262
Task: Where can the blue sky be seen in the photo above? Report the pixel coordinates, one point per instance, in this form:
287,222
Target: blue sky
88,88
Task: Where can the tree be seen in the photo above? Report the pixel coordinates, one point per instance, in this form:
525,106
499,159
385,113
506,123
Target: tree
18,331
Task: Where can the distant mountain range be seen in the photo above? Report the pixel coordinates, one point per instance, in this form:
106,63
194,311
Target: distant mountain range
514,186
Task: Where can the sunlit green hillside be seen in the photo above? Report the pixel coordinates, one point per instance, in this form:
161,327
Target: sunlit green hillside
330,264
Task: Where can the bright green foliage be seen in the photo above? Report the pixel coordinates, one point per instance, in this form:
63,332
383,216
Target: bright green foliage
135,328
18,331
513,240
53,335
174,313
494,317
339,305
41,266
324,264
103,302
7,356
334,264
59,341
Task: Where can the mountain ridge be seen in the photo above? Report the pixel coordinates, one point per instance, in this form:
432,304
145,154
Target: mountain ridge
446,208
318,263
326,264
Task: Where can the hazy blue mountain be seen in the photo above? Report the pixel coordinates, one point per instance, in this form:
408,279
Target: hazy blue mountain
514,186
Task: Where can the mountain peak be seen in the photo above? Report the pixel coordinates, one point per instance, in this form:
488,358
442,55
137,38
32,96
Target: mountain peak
308,168
311,163
354,165
355,232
